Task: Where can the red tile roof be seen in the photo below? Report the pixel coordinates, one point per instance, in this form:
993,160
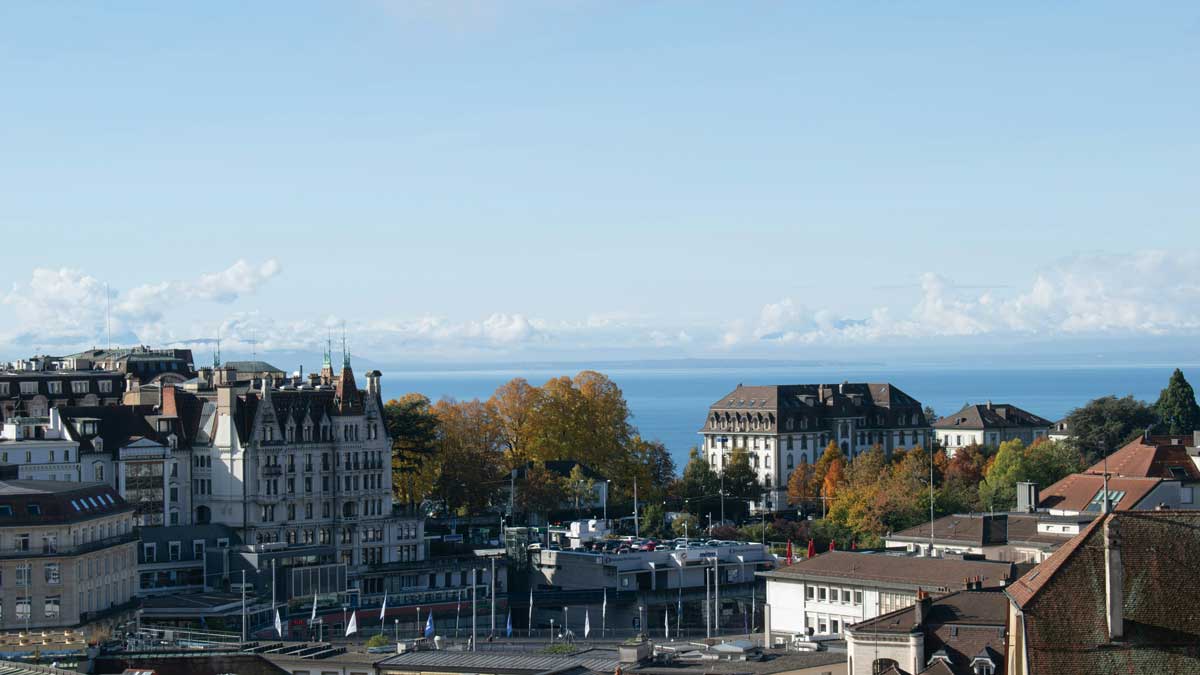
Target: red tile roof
1076,491
1150,459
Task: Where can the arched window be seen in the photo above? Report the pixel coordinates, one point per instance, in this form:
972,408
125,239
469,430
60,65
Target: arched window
203,515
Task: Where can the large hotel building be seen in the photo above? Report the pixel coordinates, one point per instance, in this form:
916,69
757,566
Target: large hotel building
781,426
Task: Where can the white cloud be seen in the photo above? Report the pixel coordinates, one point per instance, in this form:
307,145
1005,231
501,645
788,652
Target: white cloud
66,307
1144,293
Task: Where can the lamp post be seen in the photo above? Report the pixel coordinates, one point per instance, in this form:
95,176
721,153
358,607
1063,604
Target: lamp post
607,486
396,623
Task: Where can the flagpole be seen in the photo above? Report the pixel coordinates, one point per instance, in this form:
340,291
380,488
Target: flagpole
243,605
604,614
492,591
458,614
530,629
474,614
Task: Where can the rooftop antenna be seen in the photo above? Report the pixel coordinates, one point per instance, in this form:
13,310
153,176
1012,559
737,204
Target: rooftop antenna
253,345
1106,505
107,319
217,354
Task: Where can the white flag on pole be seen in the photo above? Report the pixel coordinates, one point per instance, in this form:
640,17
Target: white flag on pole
383,610
604,607
587,623
667,624
314,612
352,627
278,624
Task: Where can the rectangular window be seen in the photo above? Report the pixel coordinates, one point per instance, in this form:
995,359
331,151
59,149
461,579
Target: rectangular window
821,594
23,606
174,550
846,596
833,626
148,553
79,387
54,387
53,573
858,597
105,386
1186,495
29,387
52,606
21,542
809,592
25,575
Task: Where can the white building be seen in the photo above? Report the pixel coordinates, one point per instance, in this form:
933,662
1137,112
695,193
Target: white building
38,448
989,424
781,426
824,594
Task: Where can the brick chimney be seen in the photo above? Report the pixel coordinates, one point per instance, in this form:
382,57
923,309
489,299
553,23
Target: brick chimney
170,408
921,607
1114,579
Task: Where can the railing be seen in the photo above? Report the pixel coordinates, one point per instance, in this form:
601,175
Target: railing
72,549
272,470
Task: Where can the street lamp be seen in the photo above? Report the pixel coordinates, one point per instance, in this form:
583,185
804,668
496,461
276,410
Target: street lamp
396,622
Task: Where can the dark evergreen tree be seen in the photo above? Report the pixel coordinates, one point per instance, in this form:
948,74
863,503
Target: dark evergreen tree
1176,406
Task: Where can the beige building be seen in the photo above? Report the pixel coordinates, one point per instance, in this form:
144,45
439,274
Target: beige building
67,556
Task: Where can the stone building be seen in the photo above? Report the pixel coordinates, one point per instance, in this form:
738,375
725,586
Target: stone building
67,556
781,426
989,424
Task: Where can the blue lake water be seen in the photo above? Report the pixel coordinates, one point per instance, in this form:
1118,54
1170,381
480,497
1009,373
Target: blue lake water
669,403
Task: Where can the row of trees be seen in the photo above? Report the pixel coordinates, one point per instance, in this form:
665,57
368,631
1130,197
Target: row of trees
461,453
1109,422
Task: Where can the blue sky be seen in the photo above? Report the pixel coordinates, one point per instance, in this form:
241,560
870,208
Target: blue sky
499,180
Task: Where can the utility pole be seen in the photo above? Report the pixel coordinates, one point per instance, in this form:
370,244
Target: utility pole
636,530
931,504
717,594
722,495
243,605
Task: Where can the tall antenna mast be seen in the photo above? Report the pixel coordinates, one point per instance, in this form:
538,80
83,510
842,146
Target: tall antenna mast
107,320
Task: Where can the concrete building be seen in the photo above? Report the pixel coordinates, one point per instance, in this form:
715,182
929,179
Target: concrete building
824,594
989,424
38,448
67,556
1009,537
781,426
960,633
1119,598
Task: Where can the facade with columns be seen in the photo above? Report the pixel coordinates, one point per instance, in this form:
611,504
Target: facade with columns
782,426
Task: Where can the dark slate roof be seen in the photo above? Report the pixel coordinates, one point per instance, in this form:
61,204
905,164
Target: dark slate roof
1153,457
57,502
772,406
1063,599
252,367
991,416
494,662
119,425
984,529
962,625
909,571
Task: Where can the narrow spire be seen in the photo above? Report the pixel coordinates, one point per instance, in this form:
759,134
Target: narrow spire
345,352
217,353
328,362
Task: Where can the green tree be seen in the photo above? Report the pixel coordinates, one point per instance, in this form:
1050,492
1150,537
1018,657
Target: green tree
579,488
413,428
1176,406
998,491
686,525
654,520
741,481
1107,423
1047,462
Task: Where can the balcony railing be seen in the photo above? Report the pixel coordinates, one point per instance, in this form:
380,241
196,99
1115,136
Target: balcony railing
62,550
272,470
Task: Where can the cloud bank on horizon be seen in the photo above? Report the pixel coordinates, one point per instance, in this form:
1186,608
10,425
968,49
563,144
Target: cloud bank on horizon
1140,295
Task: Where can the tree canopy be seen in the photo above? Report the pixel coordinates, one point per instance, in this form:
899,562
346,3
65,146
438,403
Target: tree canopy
1176,406
1107,423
